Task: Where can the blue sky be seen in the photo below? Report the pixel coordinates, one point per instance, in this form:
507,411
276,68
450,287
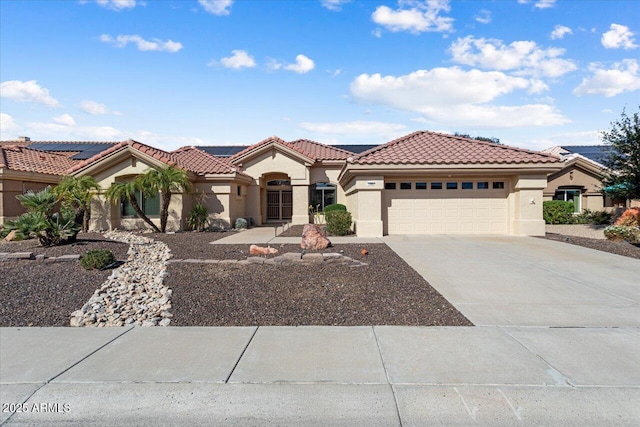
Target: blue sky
534,73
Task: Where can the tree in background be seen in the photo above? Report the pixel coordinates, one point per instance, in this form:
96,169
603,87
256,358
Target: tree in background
128,190
623,177
75,193
166,181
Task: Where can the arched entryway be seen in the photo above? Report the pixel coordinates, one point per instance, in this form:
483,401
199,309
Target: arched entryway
277,197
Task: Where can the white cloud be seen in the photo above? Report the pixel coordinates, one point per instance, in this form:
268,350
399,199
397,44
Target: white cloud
618,36
453,95
540,4
484,16
415,16
302,65
29,91
117,5
7,124
377,33
358,127
143,45
65,120
622,77
559,31
239,59
524,57
334,5
217,7
56,131
95,108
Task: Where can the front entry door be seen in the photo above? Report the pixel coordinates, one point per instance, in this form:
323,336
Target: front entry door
279,205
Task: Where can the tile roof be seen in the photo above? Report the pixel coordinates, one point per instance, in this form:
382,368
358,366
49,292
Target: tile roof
311,149
201,162
20,158
425,147
156,153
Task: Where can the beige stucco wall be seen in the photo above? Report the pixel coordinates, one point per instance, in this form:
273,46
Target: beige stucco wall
10,207
364,201
525,201
574,176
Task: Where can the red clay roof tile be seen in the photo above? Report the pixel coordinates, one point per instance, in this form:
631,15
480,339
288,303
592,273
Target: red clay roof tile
20,158
424,147
311,149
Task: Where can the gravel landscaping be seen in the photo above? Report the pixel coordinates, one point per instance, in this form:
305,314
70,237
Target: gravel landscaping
39,294
385,292
618,248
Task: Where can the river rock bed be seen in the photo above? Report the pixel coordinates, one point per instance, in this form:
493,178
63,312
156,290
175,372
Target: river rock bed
135,293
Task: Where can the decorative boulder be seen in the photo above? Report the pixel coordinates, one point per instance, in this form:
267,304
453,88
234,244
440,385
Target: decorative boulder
241,223
11,236
313,238
259,250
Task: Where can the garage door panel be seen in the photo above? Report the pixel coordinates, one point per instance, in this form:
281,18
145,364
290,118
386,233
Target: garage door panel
446,212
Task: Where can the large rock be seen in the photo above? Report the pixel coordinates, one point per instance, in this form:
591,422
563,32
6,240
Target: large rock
313,238
11,236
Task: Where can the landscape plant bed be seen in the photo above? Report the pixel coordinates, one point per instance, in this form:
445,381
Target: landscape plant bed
84,243
619,248
386,292
190,244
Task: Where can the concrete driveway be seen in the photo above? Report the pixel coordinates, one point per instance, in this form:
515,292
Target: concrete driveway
526,281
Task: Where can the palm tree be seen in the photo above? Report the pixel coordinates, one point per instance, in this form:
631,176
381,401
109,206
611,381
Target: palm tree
166,181
128,190
43,202
76,193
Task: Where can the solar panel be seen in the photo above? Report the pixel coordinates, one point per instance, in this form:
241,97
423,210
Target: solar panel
222,150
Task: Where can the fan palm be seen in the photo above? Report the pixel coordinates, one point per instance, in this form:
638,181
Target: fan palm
43,201
76,193
166,181
128,190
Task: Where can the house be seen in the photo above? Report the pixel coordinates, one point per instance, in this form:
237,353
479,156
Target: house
422,183
579,181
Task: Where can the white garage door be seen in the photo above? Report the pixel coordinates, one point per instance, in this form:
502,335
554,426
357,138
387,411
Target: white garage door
446,207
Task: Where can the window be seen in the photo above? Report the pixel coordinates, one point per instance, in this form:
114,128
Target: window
239,190
467,185
405,186
278,182
482,185
322,194
389,185
498,185
150,206
421,185
572,196
452,185
436,186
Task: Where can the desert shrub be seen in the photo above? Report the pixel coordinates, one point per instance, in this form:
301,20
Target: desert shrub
241,223
335,207
629,218
97,258
621,232
198,218
60,228
557,212
591,217
27,226
338,222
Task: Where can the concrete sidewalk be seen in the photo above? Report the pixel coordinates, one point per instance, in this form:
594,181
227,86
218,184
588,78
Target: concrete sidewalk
380,375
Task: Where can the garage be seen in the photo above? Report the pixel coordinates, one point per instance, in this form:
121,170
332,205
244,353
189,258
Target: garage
445,206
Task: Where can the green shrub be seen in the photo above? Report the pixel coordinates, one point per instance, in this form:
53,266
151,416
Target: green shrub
335,207
338,222
28,226
557,212
97,258
590,217
241,223
621,232
198,218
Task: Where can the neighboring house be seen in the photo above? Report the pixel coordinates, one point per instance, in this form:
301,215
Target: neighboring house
579,181
423,183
